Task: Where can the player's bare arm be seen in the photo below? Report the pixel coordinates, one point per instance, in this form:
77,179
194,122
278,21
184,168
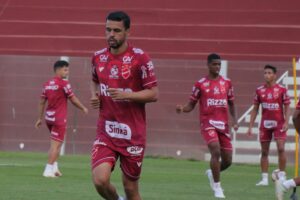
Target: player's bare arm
252,118
286,117
232,111
186,108
143,96
94,100
75,101
296,120
41,109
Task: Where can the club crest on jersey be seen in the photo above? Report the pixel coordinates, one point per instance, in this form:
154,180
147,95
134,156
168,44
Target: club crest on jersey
216,90
126,72
114,71
270,96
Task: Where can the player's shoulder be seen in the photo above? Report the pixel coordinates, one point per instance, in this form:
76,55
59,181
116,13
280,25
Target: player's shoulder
261,88
280,86
101,51
222,78
202,80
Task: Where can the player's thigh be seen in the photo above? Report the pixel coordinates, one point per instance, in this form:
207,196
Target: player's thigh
210,135
131,160
280,135
265,135
103,160
58,132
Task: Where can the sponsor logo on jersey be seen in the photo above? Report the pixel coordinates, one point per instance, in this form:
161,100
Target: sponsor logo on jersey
271,106
118,130
103,58
54,133
51,87
138,51
126,72
206,84
98,142
101,69
51,119
104,92
222,82
135,150
114,71
217,102
127,59
270,123
144,72
217,124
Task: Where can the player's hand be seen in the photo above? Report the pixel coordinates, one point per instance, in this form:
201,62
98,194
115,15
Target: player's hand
117,94
179,108
38,123
85,110
249,132
285,127
235,126
95,103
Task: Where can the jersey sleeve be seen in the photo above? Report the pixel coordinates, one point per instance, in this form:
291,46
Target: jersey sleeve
285,97
230,94
68,89
147,72
94,71
195,96
256,99
43,95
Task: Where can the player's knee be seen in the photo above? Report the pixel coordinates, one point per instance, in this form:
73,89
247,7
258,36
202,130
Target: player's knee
280,150
100,183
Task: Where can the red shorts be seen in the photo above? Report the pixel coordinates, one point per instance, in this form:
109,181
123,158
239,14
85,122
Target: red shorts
131,158
211,134
266,135
57,132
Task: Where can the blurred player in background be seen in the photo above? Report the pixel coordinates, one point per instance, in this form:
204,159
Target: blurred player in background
123,82
281,185
274,122
215,96
56,92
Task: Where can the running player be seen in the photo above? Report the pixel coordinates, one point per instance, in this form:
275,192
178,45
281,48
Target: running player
274,122
56,92
283,186
123,82
215,96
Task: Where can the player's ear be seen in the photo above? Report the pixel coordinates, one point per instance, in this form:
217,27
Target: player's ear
127,31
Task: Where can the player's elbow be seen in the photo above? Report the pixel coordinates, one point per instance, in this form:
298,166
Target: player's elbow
154,95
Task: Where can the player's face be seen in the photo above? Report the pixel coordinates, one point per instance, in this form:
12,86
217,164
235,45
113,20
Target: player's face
214,67
269,75
63,72
116,34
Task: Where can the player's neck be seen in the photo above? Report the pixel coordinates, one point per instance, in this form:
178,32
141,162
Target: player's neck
270,84
119,50
213,76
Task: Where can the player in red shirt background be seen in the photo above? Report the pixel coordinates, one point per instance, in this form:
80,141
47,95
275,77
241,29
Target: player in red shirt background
215,96
274,122
55,94
283,186
123,81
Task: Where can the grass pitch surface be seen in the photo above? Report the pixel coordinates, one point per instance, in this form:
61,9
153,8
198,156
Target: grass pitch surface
162,179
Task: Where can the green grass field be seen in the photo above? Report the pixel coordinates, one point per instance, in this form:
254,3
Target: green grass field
162,179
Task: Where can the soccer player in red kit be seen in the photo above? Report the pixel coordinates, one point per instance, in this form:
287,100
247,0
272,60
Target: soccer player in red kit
283,186
123,82
56,92
274,122
215,96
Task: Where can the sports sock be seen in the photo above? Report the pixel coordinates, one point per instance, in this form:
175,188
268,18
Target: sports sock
49,167
289,183
265,176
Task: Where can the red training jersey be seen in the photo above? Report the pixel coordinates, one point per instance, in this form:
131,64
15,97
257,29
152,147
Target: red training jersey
213,97
122,122
272,100
57,91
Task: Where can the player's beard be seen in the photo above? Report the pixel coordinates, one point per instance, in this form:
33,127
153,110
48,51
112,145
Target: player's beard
115,44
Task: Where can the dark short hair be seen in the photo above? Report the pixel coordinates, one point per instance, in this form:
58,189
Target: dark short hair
60,64
119,16
212,57
274,69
